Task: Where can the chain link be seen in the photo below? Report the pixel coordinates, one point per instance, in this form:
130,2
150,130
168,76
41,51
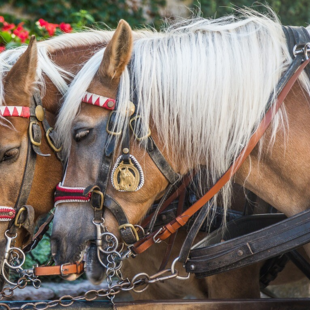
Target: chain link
141,279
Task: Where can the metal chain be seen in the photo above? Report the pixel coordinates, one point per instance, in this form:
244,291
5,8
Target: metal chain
8,292
141,279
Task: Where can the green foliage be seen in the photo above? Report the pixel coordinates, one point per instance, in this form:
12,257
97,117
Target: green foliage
290,12
108,12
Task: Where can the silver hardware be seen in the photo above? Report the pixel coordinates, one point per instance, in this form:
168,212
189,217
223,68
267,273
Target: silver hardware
173,271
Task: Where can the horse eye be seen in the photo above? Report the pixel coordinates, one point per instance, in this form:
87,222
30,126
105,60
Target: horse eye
80,135
10,154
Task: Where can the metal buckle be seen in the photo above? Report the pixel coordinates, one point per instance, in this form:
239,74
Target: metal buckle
31,133
96,191
22,209
62,270
113,133
51,144
132,228
154,237
134,132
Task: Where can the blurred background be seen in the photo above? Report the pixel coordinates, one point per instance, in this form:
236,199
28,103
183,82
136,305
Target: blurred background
45,18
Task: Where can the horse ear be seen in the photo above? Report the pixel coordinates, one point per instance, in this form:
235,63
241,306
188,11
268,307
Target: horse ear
20,79
118,52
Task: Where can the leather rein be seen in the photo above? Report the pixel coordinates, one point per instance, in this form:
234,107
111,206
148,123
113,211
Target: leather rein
98,197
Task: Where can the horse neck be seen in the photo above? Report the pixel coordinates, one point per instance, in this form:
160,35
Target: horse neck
48,170
281,175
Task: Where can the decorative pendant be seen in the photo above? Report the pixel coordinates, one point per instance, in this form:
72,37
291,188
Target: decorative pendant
127,177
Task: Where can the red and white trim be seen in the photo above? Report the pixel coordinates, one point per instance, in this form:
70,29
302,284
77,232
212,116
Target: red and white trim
100,101
14,111
7,214
65,194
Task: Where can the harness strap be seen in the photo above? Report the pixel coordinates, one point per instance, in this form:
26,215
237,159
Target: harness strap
50,134
242,251
284,86
62,270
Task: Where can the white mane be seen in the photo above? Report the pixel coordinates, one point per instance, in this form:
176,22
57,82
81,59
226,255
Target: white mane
204,84
45,64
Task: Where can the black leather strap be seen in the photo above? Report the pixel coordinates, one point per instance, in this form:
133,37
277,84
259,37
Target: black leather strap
295,36
265,243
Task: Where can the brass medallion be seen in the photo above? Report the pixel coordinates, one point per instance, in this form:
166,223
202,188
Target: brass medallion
39,112
126,177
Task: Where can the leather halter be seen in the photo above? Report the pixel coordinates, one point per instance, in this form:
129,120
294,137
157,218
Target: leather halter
23,214
101,199
97,193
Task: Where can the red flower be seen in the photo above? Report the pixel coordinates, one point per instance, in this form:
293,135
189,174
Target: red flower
42,22
65,27
22,33
51,28
7,26
1,19
2,48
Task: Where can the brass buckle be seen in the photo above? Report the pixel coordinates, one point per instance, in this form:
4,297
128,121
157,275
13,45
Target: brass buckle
101,199
134,132
31,133
22,209
51,144
133,228
113,133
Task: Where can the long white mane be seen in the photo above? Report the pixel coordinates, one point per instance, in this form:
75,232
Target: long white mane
204,84
57,75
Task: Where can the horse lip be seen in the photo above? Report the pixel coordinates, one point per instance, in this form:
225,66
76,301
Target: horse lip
95,274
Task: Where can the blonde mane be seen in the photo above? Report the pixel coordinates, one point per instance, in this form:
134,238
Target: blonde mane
204,84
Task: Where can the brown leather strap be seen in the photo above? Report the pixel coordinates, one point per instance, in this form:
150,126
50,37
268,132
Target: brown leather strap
171,198
181,220
62,270
174,236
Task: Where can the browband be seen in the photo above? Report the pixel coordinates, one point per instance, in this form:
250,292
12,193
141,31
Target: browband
15,111
100,101
7,214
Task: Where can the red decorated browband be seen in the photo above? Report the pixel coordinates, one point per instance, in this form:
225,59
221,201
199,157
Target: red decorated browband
6,214
15,111
100,101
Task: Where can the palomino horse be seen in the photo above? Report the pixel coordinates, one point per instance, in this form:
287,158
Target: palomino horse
200,89
18,92
58,60
40,196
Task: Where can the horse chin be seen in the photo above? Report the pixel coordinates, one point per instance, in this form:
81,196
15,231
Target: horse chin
95,272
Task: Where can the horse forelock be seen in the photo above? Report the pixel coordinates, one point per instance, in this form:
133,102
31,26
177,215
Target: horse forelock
204,84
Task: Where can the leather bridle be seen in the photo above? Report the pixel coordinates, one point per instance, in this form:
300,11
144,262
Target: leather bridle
22,215
98,197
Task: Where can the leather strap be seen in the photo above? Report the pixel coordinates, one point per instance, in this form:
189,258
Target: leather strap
39,234
284,86
62,270
253,247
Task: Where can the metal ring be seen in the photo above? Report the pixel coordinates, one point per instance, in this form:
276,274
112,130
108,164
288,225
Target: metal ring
22,209
135,278
19,251
306,51
173,271
116,243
